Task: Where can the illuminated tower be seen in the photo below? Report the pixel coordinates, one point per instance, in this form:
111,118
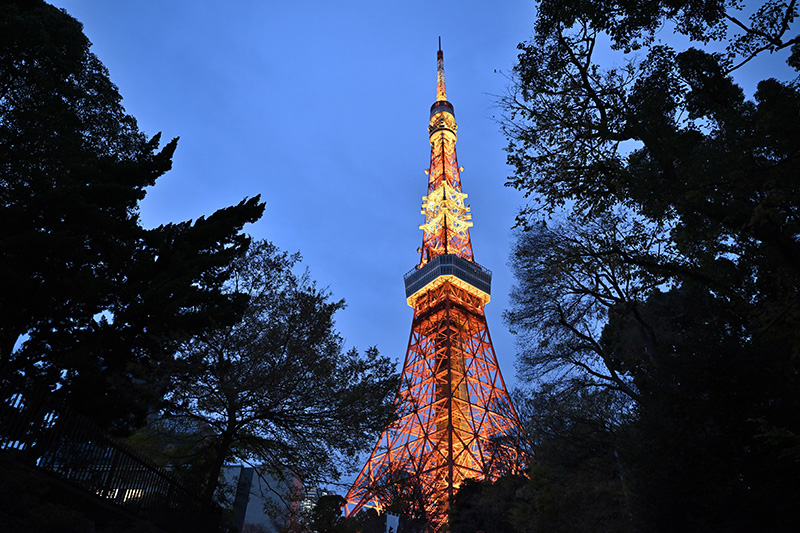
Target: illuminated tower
455,418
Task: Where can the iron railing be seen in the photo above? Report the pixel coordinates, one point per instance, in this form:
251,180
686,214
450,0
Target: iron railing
41,432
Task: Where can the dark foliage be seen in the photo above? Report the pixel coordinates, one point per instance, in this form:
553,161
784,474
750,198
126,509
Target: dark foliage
327,518
485,506
660,261
575,480
277,389
90,301
327,515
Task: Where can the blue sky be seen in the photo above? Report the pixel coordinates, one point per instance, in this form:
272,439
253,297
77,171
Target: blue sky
322,108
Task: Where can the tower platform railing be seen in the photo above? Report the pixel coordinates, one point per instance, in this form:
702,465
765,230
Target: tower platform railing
448,265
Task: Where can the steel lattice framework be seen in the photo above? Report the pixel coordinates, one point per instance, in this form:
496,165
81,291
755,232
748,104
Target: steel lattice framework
455,419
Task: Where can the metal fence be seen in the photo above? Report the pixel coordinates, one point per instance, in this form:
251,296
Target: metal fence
41,432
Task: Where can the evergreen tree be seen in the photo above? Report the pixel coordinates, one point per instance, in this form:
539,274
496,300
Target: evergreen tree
91,303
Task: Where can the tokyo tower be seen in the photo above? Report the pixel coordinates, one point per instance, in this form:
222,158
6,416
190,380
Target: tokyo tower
455,419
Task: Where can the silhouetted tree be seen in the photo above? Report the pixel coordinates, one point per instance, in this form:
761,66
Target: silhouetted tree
92,303
277,389
574,481
662,260
486,506
327,518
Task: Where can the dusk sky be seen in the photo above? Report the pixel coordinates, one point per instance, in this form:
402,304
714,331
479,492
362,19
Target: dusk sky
322,109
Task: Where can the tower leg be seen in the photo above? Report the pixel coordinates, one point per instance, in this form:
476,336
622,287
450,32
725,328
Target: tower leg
455,419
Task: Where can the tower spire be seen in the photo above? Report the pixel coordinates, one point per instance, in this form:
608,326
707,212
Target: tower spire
455,420
441,92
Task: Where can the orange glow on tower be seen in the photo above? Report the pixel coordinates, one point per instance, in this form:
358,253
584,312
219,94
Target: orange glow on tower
455,417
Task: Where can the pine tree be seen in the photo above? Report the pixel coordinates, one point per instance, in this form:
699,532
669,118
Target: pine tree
91,302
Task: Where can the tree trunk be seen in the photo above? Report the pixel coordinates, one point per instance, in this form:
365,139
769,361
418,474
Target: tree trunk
218,461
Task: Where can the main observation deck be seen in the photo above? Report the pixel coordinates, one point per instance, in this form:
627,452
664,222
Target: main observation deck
466,274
